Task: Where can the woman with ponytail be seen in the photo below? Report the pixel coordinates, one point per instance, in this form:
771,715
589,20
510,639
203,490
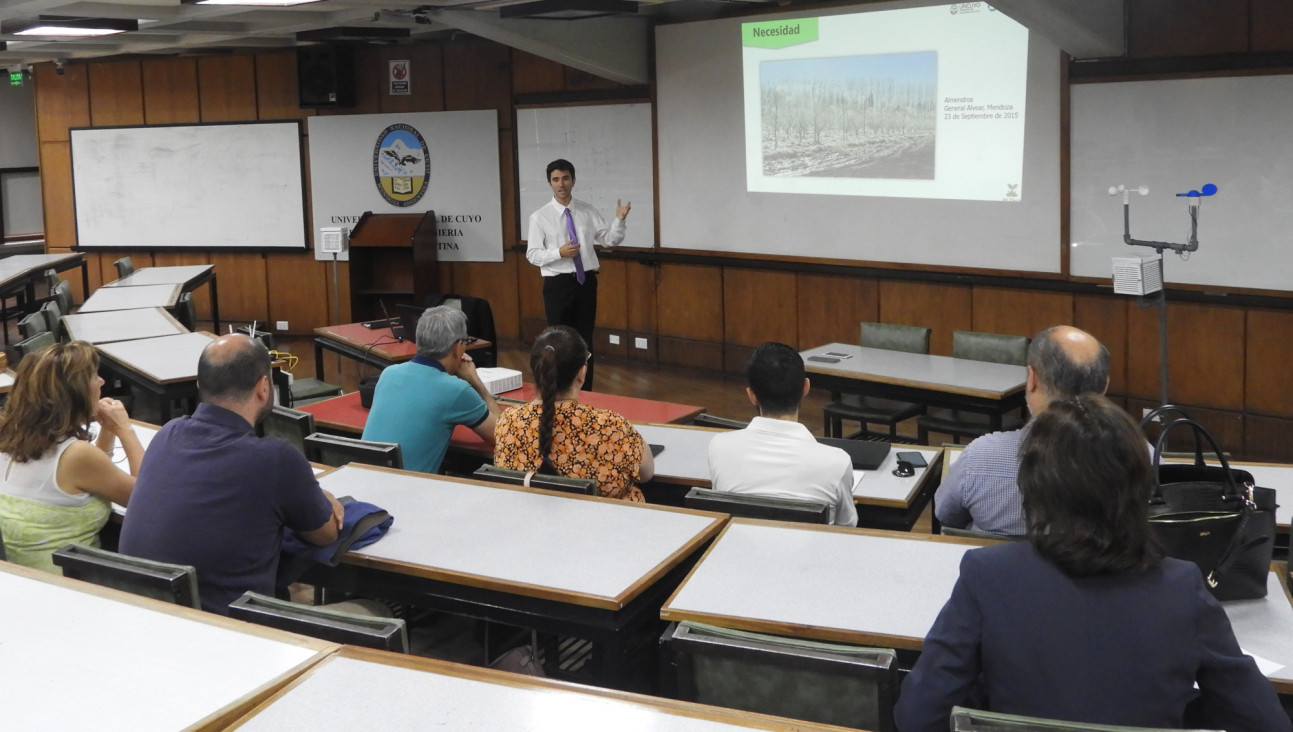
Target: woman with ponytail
556,434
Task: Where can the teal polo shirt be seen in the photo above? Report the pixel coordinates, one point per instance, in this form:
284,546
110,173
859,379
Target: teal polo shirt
417,404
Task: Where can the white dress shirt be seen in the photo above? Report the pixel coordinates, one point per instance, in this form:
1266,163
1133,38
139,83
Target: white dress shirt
781,459
548,234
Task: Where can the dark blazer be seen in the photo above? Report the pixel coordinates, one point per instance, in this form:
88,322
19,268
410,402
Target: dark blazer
1020,636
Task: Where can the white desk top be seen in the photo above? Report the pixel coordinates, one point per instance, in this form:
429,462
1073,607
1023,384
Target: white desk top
76,656
121,325
177,275
129,298
19,265
786,579
585,551
922,371
358,689
165,360
686,460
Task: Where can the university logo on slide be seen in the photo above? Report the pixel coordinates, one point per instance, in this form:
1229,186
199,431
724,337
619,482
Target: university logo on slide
401,165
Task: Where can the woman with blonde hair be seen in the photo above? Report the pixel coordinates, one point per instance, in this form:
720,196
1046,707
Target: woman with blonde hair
556,434
56,486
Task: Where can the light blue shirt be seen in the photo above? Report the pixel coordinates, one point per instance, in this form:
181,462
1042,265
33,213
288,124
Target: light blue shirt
981,492
417,404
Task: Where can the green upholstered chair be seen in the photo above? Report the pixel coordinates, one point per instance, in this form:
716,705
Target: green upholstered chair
125,266
873,410
36,343
335,626
758,507
971,720
173,583
829,683
989,347
33,324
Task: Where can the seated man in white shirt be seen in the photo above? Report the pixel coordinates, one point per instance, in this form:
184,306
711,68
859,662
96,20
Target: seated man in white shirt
776,456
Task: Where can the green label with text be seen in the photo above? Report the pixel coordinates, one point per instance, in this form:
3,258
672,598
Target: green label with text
779,33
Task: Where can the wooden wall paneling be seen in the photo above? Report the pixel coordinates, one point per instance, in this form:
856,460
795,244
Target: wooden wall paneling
577,80
478,76
536,75
56,194
227,89
298,291
108,268
613,295
530,299
370,75
1106,319
689,316
507,187
426,78
758,306
941,308
1226,427
1019,312
496,282
339,308
1268,353
277,92
830,308
1270,26
244,287
641,301
73,276
1205,354
61,101
170,91
1268,439
1186,27
116,93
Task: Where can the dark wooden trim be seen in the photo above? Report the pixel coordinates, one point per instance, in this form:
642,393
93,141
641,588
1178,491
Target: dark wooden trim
592,96
1238,64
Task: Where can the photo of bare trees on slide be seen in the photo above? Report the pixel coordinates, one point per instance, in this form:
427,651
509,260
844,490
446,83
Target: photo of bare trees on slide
850,116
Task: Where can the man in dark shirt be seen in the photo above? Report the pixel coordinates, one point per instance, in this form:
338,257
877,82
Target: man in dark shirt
212,494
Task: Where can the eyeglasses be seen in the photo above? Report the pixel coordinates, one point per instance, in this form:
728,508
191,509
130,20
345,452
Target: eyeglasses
589,357
468,340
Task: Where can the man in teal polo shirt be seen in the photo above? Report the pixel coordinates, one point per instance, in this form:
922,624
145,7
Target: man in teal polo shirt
418,403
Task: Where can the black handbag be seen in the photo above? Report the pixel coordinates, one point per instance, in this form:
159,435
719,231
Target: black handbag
1214,516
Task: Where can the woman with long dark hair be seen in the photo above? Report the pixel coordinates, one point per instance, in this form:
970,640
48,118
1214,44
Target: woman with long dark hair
557,434
55,484
1086,621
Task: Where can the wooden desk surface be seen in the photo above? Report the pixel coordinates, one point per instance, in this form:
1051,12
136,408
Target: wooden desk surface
685,461
921,371
79,656
121,325
418,693
346,414
176,275
128,298
882,588
165,360
576,549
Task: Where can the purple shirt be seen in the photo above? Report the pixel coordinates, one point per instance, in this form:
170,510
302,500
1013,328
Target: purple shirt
212,494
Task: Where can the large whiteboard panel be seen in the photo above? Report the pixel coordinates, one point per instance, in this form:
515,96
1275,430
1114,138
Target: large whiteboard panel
1174,136
610,147
189,186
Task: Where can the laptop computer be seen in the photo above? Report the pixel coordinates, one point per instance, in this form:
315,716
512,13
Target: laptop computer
407,328
864,454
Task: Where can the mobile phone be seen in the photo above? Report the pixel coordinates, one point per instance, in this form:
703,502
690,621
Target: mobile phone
916,459
823,359
837,354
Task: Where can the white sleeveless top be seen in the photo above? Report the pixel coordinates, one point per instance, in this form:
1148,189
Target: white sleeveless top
38,479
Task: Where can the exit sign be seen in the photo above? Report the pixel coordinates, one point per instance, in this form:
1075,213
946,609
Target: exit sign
15,78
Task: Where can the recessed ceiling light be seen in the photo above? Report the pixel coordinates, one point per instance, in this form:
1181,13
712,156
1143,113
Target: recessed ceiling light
59,26
276,3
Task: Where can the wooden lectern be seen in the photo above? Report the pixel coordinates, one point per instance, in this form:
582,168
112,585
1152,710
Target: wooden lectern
392,260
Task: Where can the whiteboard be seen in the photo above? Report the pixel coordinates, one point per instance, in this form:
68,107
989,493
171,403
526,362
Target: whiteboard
189,186
1174,136
610,147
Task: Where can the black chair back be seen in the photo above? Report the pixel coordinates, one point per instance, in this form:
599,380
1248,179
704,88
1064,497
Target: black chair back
758,507
493,474
973,720
289,424
705,419
173,583
383,634
124,267
337,451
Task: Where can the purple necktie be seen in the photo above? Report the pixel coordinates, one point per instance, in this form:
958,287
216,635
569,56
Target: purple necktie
579,261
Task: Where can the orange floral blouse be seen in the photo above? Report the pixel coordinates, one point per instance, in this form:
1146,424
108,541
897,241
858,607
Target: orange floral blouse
587,442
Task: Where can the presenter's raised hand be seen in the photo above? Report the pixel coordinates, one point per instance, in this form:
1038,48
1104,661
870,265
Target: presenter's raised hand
622,209
569,249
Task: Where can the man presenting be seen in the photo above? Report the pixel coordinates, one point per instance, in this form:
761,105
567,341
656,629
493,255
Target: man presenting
981,491
212,494
560,243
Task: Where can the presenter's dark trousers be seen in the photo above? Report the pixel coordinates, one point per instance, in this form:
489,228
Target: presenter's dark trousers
566,302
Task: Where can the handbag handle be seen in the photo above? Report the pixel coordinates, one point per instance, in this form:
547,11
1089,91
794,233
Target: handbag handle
1157,413
1200,433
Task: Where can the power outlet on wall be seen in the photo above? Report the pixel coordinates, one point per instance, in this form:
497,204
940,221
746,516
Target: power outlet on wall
640,343
281,326
614,340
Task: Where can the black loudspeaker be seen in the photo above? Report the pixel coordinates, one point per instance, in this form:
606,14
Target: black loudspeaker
325,76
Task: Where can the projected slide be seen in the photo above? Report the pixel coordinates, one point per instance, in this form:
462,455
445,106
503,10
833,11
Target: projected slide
915,103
